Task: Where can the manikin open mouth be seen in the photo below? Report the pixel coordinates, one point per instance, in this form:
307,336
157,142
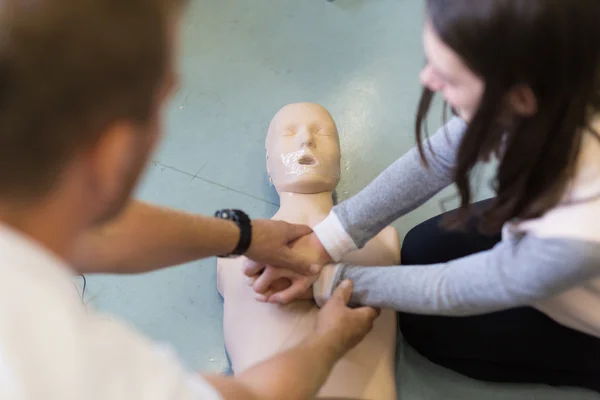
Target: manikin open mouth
307,159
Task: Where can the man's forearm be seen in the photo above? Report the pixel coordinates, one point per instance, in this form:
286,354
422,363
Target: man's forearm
298,373
147,237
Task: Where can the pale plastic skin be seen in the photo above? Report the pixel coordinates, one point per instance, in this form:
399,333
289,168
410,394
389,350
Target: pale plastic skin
303,161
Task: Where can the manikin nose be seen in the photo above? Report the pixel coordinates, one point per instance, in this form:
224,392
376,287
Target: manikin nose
306,138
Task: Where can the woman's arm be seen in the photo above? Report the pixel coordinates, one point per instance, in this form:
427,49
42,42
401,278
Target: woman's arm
512,274
402,187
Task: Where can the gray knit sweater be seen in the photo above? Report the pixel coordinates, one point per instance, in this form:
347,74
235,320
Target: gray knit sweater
521,270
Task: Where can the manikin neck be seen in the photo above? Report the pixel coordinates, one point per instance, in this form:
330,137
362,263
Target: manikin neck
308,209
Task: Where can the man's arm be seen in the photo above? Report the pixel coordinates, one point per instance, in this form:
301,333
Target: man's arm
300,372
147,237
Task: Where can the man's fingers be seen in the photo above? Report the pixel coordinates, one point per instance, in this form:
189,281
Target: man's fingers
291,260
280,284
264,280
343,292
251,279
272,278
288,295
296,262
368,313
296,231
252,268
263,298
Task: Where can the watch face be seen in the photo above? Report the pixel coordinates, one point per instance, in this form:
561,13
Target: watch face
225,214
233,215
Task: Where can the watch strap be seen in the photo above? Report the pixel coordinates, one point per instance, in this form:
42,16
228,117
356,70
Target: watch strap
242,220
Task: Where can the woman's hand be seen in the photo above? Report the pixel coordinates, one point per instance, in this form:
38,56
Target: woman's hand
282,286
279,283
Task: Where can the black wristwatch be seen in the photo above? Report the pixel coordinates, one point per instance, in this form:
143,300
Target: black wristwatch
243,222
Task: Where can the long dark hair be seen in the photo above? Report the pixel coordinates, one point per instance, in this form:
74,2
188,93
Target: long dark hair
553,47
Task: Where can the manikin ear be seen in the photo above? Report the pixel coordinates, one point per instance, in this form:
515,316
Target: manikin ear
522,101
268,171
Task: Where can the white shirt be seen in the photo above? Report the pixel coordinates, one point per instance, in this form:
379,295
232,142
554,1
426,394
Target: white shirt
51,347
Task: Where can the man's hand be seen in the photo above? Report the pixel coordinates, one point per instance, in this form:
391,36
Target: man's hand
345,327
306,251
272,245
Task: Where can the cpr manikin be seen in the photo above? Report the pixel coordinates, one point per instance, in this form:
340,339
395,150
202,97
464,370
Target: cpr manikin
303,161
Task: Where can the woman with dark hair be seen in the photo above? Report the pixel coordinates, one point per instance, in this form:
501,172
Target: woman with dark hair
514,295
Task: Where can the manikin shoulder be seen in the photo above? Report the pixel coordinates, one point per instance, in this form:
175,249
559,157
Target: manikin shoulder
383,249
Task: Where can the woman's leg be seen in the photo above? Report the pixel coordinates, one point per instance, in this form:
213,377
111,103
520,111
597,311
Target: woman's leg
519,345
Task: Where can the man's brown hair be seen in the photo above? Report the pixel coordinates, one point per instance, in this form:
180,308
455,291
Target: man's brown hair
68,70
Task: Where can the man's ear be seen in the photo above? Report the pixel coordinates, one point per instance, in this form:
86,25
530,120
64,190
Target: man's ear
110,158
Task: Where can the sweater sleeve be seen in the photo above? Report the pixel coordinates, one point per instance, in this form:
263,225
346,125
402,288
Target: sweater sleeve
514,273
399,189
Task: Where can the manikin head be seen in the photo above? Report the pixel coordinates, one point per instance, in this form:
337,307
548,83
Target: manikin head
303,150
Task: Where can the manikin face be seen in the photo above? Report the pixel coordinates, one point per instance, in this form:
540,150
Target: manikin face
303,150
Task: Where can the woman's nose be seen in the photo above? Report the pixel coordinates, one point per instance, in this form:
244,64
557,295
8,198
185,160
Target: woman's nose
429,80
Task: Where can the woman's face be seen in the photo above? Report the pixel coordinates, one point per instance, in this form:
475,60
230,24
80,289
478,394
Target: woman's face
445,73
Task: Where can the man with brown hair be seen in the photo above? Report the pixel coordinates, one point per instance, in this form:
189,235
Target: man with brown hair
82,88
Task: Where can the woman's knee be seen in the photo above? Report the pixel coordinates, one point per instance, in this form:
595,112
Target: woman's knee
420,242
431,242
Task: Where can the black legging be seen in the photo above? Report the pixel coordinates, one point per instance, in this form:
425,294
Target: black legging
520,345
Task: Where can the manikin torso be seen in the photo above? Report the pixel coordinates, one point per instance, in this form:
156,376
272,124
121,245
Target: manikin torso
303,162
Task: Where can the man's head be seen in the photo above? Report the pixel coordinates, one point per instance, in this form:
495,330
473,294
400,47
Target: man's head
82,84
303,150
